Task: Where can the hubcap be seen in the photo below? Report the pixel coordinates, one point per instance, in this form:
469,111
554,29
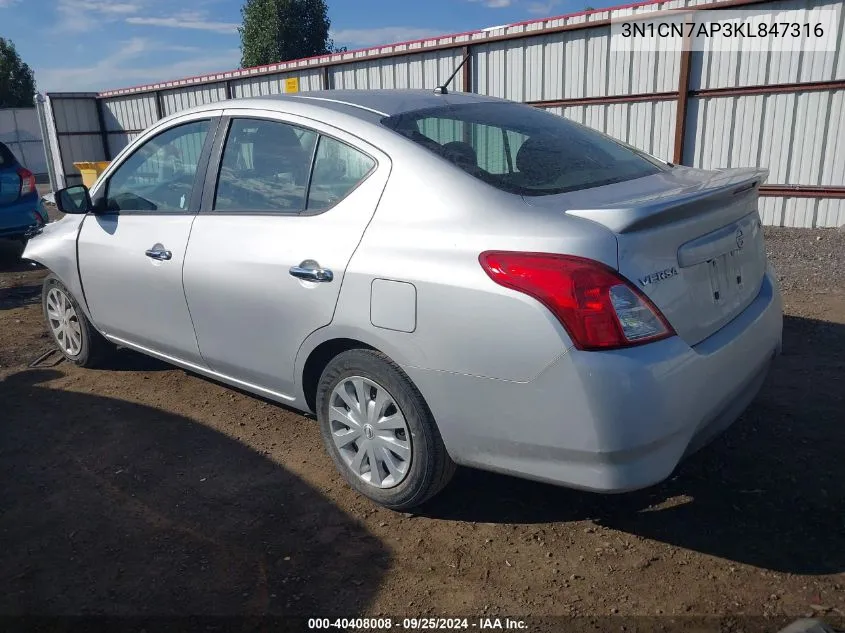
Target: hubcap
370,432
64,322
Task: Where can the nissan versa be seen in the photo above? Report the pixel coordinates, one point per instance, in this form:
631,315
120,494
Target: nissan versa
443,279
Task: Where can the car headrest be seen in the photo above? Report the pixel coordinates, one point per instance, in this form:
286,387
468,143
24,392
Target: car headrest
461,153
275,139
539,160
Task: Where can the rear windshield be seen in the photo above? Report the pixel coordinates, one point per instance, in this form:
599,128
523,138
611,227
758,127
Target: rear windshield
521,149
6,157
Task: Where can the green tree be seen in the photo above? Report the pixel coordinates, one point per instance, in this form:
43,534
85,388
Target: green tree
17,82
280,30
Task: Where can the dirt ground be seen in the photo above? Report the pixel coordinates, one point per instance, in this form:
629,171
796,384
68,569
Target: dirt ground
144,490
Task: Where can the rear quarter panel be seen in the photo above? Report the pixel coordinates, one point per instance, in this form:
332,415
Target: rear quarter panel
431,225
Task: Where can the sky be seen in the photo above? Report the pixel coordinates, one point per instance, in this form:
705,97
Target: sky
98,45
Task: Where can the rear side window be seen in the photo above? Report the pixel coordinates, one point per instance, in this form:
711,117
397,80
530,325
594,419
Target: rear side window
7,159
270,166
521,149
338,169
265,167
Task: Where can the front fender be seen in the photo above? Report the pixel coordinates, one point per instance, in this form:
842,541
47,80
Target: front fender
55,249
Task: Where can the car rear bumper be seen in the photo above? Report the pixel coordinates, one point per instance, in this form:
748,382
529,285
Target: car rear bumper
610,421
24,218
24,232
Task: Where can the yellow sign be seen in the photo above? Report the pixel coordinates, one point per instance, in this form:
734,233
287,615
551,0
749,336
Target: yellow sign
292,84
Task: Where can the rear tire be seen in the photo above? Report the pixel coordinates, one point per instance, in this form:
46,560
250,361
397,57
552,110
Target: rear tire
362,394
72,332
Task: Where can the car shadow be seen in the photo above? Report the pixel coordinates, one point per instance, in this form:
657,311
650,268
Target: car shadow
114,508
10,257
124,359
769,492
19,296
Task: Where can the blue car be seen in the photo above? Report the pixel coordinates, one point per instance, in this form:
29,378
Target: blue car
21,213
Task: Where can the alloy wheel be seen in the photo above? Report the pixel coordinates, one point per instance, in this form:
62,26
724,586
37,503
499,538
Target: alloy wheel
64,322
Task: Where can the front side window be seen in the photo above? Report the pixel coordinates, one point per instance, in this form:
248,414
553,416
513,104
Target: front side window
159,175
338,169
522,150
265,167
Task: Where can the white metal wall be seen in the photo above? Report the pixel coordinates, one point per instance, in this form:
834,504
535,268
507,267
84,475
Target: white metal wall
425,70
75,134
799,136
21,133
275,84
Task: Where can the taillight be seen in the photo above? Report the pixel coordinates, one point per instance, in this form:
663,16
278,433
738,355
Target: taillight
27,181
599,308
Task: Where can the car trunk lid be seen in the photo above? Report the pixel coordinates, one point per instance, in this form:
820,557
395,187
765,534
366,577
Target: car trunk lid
691,240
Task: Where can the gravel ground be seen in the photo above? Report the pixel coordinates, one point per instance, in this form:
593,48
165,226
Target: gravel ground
142,489
807,260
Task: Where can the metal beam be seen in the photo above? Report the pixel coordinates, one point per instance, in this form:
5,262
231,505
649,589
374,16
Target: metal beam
807,86
104,135
634,98
683,99
158,105
801,191
466,53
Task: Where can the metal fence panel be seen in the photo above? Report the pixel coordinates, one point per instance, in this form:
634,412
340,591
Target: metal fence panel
183,98
830,213
80,147
130,113
423,70
742,67
799,137
21,133
803,212
78,134
311,79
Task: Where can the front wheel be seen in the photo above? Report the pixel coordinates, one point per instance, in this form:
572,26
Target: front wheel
71,330
379,431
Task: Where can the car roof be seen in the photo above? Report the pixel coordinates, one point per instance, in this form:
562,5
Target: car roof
360,103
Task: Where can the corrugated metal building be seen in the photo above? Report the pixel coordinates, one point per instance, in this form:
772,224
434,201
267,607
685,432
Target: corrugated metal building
20,132
783,111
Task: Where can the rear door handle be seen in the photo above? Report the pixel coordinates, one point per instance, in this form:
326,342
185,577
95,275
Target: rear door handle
309,270
159,252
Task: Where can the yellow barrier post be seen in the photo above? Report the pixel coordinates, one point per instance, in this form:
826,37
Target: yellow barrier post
91,171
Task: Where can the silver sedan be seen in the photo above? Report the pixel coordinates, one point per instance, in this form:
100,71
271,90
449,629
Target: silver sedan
443,279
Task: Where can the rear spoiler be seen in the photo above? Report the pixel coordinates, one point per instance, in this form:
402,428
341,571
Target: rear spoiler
647,213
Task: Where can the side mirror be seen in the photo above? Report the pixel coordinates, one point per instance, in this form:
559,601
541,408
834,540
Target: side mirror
74,199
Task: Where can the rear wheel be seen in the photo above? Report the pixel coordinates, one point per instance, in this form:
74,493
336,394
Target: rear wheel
71,330
379,431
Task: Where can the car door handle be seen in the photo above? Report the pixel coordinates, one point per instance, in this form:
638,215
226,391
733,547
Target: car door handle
159,252
309,270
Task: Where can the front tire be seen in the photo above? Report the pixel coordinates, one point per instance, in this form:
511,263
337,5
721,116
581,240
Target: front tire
379,431
71,330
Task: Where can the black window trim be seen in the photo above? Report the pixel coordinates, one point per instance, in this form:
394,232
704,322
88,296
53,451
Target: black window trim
193,208
212,176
